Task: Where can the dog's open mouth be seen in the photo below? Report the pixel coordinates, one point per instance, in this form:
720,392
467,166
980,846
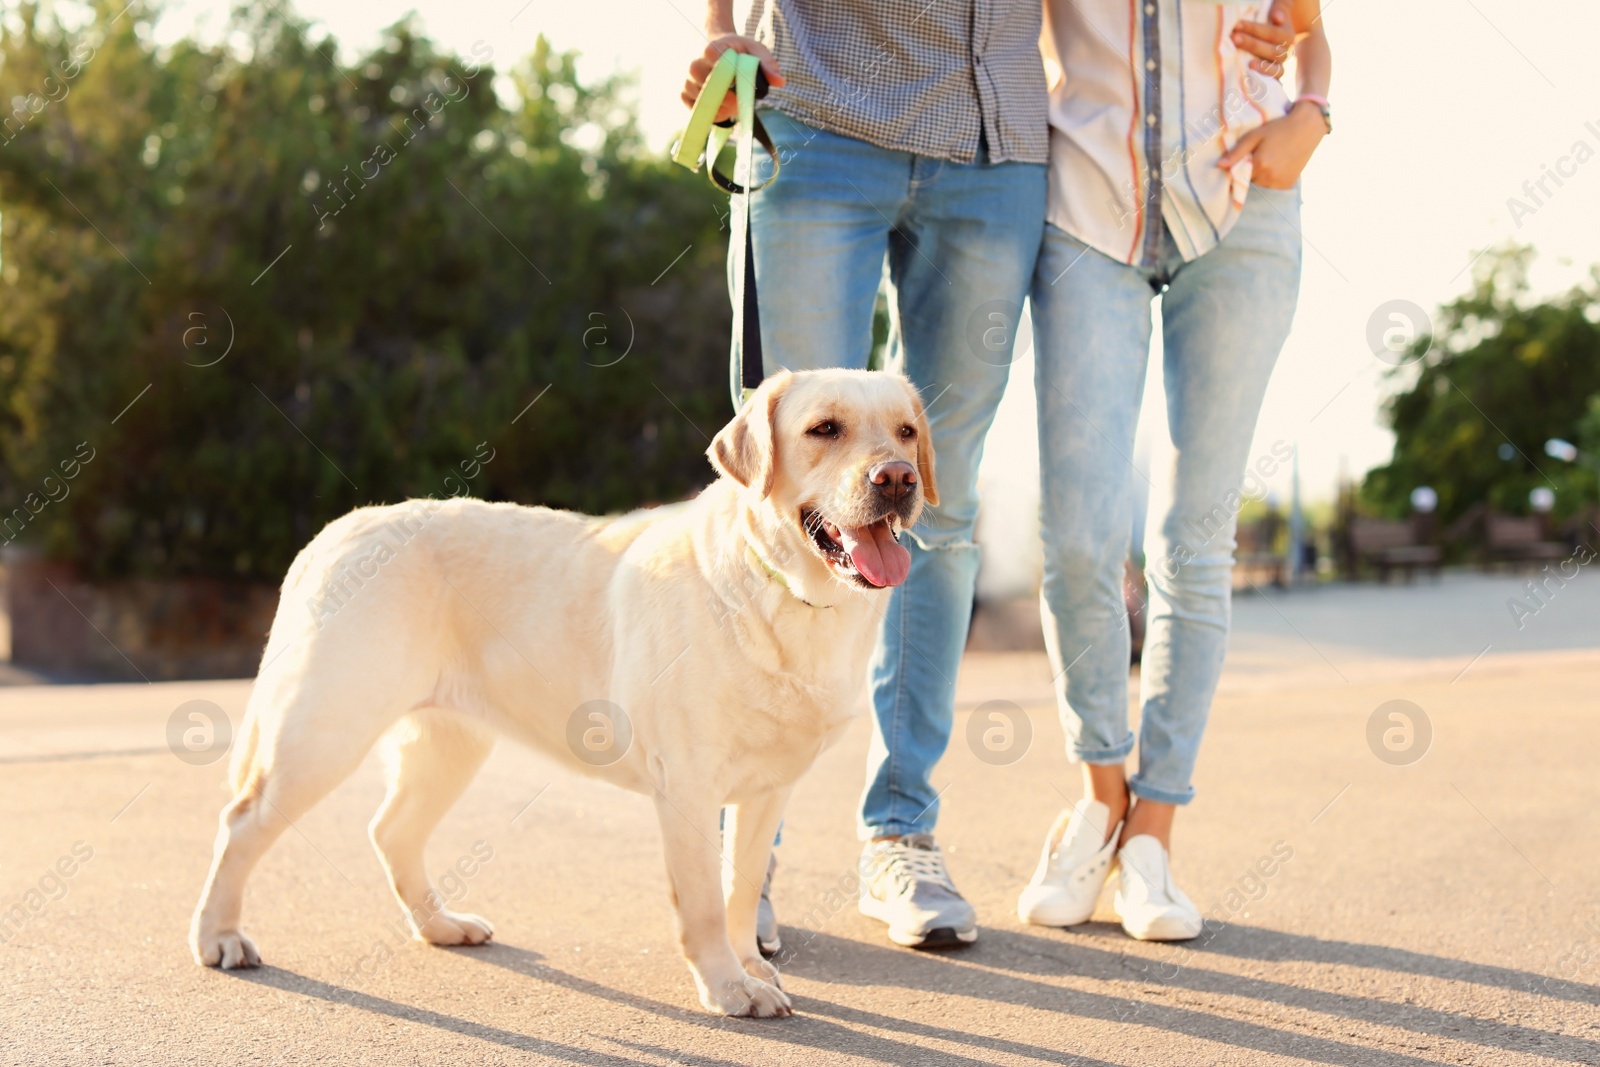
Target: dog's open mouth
870,555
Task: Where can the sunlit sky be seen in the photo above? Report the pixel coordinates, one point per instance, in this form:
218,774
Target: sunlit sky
1442,111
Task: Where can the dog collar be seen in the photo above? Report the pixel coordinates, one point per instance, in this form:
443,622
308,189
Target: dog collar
777,576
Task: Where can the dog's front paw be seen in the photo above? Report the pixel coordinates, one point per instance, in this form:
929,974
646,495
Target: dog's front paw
228,949
456,928
747,996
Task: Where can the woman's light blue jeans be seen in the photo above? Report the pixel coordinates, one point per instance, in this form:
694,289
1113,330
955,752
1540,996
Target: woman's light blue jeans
1225,316
960,242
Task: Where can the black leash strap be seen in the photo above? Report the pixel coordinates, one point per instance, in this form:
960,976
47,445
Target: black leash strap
752,368
742,74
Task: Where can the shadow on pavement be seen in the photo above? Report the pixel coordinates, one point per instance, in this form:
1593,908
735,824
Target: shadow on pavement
1001,968
812,1031
290,982
1258,943
997,968
809,1028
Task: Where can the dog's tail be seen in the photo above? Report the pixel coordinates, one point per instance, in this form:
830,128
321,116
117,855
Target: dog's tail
242,764
281,637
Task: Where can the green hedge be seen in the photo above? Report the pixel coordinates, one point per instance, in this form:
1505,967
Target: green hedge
400,261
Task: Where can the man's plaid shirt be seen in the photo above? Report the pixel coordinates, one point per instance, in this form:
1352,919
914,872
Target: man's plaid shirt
920,76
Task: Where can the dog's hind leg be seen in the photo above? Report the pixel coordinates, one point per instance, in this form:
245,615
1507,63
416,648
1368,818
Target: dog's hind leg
430,756
307,745
748,844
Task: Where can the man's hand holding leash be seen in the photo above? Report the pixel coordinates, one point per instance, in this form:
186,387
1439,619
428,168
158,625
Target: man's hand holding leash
720,37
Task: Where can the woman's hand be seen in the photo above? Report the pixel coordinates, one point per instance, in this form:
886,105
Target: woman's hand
700,70
1279,150
1270,42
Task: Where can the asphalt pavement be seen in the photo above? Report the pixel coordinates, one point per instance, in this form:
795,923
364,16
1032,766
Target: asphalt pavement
1438,905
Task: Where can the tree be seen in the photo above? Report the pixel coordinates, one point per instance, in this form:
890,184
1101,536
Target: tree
1501,375
395,261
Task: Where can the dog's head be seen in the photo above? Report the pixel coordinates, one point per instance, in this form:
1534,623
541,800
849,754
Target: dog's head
843,459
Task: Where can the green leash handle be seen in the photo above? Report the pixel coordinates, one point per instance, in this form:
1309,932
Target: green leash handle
705,141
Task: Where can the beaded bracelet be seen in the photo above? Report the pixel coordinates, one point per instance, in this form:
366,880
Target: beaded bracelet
1321,103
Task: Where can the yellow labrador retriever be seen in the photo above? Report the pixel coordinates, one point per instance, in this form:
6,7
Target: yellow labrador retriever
724,641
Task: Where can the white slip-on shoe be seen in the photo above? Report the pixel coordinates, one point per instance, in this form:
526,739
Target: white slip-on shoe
1151,905
1072,868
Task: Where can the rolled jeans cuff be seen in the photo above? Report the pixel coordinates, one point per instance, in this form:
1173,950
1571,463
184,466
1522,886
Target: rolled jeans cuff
1145,791
892,828
1107,755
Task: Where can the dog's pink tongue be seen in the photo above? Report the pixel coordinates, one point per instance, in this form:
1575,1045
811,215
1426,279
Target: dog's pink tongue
878,556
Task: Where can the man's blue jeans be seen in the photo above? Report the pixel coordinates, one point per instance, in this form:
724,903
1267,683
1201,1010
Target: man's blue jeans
1224,317
960,242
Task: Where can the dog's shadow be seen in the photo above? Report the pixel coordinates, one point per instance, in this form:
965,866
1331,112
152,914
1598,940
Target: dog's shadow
291,982
825,1030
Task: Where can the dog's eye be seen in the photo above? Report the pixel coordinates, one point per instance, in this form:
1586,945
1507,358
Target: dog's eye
825,428
908,433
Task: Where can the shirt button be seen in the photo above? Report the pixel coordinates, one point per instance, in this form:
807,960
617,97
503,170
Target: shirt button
1149,64
1150,120
1149,9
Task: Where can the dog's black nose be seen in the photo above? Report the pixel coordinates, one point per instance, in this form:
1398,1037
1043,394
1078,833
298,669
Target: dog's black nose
894,478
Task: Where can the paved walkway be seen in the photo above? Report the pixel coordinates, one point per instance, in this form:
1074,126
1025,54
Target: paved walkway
1440,910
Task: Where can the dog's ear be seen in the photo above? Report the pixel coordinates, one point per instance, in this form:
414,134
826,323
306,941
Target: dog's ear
930,486
747,448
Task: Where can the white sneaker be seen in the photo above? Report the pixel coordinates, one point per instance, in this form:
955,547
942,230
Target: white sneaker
767,939
1072,869
904,884
1151,905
